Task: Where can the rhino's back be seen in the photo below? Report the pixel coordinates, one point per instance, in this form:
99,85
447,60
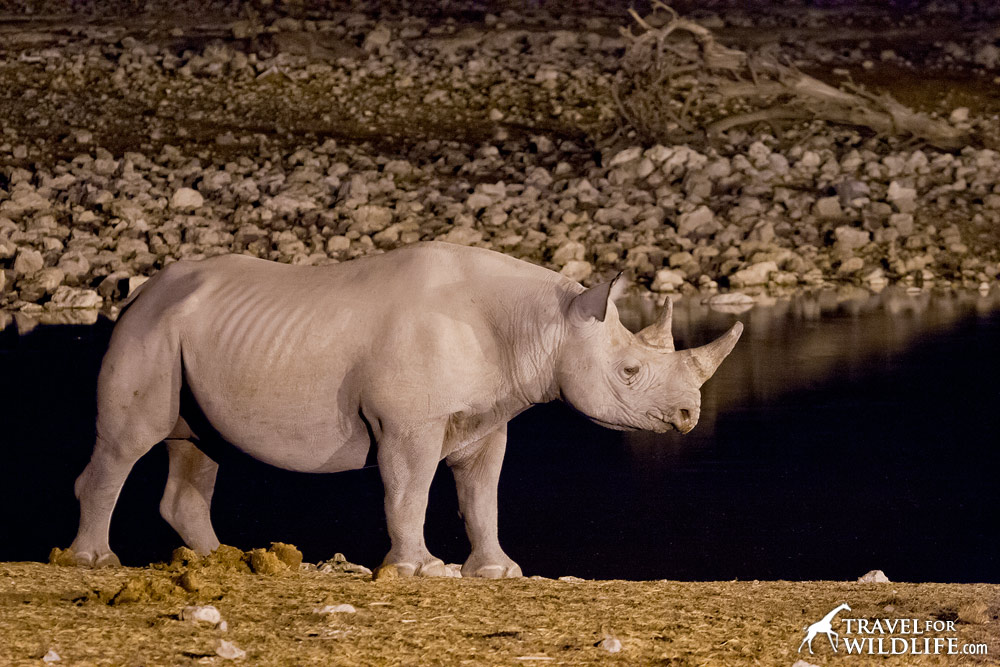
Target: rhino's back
397,279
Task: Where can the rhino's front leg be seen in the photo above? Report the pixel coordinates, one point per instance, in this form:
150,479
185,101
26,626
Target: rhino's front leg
407,460
477,473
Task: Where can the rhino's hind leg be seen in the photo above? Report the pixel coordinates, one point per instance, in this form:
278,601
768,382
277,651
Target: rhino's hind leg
477,472
97,489
407,460
138,397
187,498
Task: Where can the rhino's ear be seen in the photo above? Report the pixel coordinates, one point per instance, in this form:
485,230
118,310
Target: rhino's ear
593,303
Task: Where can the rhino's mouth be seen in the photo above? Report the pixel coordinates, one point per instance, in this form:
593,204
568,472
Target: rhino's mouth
616,427
661,424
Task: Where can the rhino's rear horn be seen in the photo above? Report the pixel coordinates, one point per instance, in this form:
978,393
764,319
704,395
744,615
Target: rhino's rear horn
706,359
659,333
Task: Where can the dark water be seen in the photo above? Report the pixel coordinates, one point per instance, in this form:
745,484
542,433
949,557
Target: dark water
842,435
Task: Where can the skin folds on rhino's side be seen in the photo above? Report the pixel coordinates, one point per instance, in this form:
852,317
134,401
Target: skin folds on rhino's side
425,352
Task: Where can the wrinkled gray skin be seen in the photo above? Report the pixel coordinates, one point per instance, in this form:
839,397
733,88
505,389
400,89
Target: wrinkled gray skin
434,347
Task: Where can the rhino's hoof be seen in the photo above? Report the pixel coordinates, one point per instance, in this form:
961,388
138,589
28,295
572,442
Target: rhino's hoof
434,567
495,572
85,559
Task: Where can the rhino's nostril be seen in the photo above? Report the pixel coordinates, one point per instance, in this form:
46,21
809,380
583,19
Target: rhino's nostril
685,414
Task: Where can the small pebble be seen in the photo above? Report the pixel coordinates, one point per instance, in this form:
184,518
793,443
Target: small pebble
228,650
335,609
611,644
874,577
206,614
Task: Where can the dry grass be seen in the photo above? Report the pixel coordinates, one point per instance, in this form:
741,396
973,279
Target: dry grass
456,621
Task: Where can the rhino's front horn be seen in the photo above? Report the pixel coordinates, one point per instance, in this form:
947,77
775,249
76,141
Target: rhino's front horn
659,333
706,359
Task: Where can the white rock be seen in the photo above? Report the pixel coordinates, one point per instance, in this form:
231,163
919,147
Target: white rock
74,264
959,115
902,223
874,577
611,644
755,274
876,279
338,244
186,199
571,579
51,656
370,219
903,198
644,168
462,236
689,222
828,207
377,38
206,614
851,238
47,279
291,203
477,201
577,270
28,262
72,297
335,609
625,156
667,280
24,200
851,265
988,56
228,650
730,302
659,154
568,251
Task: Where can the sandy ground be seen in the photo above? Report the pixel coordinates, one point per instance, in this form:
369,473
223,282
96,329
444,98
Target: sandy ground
462,621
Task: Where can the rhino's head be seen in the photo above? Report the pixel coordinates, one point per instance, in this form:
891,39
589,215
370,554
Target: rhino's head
631,381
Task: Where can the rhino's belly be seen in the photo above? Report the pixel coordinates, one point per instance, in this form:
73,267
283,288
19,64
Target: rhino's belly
295,425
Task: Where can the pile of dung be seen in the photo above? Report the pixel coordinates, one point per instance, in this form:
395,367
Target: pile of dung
145,589
62,557
278,558
190,576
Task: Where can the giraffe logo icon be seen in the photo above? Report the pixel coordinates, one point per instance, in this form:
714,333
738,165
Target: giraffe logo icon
823,625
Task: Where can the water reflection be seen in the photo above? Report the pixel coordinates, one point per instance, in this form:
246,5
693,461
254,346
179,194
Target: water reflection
847,431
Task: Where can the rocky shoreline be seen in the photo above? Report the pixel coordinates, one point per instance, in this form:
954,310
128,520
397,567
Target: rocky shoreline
318,140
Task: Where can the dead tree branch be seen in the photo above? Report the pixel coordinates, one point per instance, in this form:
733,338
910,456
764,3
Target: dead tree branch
676,78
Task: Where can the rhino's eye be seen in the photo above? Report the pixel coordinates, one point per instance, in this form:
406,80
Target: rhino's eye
629,370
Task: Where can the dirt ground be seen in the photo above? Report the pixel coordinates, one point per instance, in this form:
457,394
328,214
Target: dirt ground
461,621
